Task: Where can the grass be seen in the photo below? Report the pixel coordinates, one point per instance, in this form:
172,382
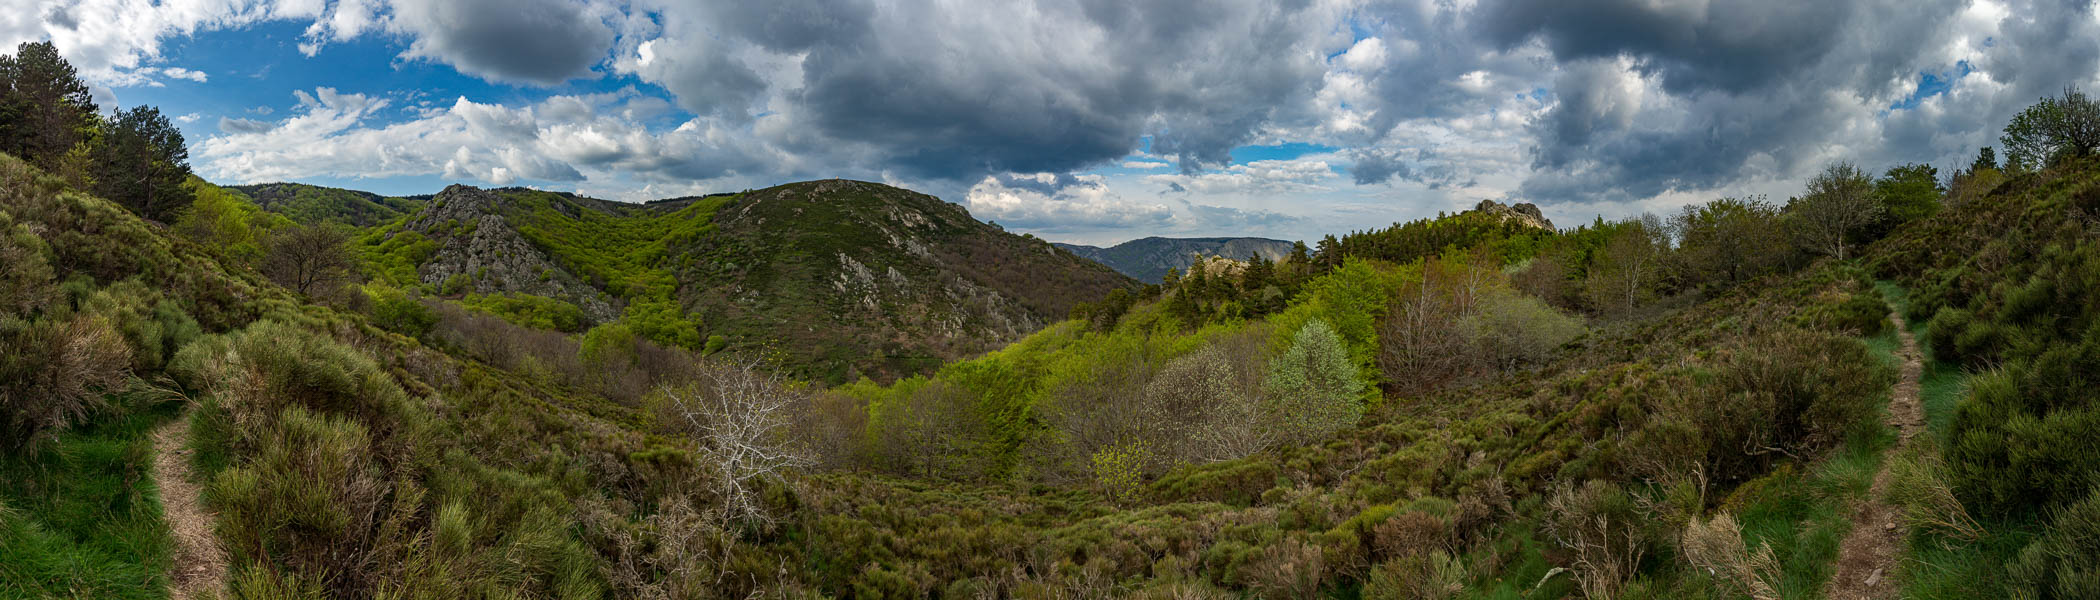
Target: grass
83,519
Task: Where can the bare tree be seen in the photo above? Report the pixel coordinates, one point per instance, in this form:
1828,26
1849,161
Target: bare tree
1840,200
737,417
311,260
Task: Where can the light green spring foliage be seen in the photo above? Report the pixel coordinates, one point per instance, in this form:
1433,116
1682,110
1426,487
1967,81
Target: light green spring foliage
1350,300
1313,388
227,221
1120,469
539,312
1514,330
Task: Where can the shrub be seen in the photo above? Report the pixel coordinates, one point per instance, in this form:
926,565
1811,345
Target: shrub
1947,326
1716,546
1434,575
53,374
2064,562
1788,392
1603,530
395,310
1513,331
736,417
2010,453
26,282
1312,389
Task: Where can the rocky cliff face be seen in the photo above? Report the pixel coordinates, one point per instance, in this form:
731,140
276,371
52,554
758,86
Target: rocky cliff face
1523,212
1149,259
479,251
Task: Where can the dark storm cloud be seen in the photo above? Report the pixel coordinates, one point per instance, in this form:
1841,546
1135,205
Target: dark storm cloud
960,91
543,42
1732,81
1728,45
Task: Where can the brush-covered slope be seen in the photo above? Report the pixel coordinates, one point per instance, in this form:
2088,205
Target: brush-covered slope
1149,259
859,278
309,204
838,279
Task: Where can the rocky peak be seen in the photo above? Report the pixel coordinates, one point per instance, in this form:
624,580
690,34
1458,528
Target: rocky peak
1525,213
477,242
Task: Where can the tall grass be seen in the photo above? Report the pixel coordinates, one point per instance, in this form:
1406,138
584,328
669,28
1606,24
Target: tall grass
82,519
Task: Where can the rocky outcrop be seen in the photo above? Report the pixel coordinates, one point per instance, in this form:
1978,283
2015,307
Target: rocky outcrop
1524,213
480,250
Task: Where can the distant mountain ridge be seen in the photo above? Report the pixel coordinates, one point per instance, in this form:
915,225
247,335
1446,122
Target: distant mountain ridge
1149,259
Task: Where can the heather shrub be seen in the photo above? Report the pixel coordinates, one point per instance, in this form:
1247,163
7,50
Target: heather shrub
1789,392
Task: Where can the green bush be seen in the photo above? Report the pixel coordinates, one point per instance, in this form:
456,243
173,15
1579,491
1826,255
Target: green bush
1946,326
395,310
1788,392
53,374
2010,452
1313,389
2065,561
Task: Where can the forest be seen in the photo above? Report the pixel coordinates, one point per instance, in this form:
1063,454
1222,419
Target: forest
1704,404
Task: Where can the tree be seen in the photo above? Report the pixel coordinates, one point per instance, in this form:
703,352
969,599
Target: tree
1986,158
142,164
1729,239
1313,389
1197,414
2053,129
737,418
311,260
45,110
1627,268
1839,203
1906,193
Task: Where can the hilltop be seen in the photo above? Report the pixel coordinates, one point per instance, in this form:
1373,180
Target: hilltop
1149,259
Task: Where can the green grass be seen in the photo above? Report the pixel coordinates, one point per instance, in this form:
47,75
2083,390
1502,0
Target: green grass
83,519
1937,568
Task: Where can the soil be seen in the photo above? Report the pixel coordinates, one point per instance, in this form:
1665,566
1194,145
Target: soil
200,567
1866,564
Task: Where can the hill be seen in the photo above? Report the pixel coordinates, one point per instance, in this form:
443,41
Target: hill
309,204
1149,259
841,279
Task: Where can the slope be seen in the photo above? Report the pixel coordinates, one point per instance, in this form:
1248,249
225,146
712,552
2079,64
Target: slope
1149,259
836,279
309,204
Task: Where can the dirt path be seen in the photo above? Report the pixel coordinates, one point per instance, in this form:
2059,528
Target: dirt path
1867,561
200,568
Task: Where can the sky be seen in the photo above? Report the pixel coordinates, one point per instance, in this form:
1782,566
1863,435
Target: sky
1089,121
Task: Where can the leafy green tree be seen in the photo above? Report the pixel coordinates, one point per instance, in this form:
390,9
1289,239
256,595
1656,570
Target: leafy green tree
45,110
1840,202
1906,193
1730,239
142,164
2053,129
1313,389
